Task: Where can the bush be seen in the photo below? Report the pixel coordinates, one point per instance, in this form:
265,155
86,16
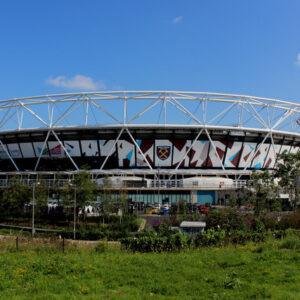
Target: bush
290,221
210,238
163,229
270,222
172,243
242,237
227,220
258,225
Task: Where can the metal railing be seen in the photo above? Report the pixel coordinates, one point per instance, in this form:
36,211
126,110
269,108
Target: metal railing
162,183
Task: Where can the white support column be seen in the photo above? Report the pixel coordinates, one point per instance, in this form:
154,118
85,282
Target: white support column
241,114
67,153
39,158
51,115
204,107
268,116
134,141
165,111
20,118
254,153
211,142
11,159
192,145
111,149
86,112
273,145
125,110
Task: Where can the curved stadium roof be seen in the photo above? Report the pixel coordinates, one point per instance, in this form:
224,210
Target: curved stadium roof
146,130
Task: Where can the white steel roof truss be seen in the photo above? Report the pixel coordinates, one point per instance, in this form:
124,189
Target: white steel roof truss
11,159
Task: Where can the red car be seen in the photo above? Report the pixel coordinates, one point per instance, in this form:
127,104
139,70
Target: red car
203,209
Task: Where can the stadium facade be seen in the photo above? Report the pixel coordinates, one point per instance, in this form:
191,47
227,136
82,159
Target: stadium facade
158,145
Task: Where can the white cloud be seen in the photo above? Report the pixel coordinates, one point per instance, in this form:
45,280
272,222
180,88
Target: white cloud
177,19
78,82
298,59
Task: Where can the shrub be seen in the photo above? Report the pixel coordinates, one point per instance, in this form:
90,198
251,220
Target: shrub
172,243
258,225
290,221
227,220
270,222
163,229
210,238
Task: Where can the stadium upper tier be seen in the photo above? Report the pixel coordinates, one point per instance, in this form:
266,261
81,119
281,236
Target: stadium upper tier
146,130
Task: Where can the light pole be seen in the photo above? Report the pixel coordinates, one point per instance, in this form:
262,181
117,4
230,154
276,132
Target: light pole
33,200
74,228
74,212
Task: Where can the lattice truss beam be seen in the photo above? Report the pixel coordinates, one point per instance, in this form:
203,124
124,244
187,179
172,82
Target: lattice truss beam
126,110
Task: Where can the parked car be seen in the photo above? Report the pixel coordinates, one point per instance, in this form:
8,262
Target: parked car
151,210
203,209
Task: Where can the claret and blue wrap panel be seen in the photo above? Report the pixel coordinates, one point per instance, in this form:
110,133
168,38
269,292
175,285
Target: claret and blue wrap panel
222,151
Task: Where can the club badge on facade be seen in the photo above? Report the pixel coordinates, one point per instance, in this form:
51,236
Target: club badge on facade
163,152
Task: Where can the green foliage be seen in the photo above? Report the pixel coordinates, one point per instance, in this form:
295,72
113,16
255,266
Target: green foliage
242,237
262,271
288,172
85,188
171,243
178,241
263,193
233,220
227,220
14,197
291,241
164,230
111,230
41,195
210,238
101,246
290,221
179,208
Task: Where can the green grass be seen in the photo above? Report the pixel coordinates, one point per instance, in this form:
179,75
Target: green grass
254,272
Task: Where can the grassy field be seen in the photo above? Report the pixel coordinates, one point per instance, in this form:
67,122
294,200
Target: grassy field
251,271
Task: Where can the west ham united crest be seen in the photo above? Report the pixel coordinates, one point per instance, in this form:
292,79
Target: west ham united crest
163,152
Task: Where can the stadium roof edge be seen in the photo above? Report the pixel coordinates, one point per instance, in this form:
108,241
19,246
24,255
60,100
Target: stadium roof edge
124,93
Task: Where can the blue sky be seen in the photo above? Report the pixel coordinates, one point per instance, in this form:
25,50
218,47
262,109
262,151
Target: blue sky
233,46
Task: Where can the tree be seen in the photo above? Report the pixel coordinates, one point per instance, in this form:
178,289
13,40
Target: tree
85,190
41,195
288,172
263,193
106,198
14,197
